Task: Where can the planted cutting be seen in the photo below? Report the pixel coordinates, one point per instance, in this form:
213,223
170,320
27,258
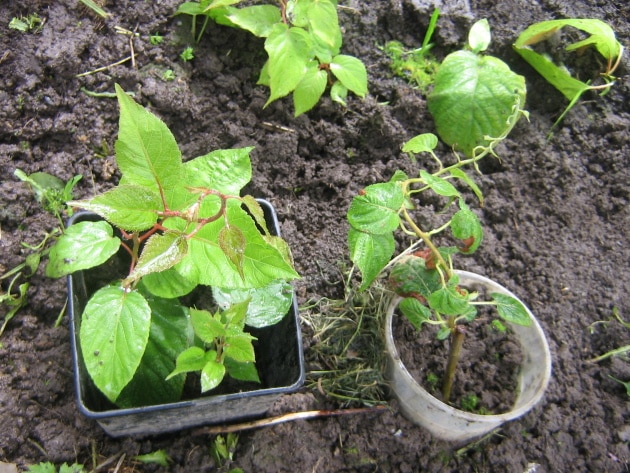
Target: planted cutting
303,40
476,101
425,277
599,36
182,225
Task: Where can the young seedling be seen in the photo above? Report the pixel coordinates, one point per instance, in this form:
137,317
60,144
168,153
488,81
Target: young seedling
602,38
303,41
426,277
182,225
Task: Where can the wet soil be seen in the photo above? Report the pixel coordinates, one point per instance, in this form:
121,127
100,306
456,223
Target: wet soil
556,221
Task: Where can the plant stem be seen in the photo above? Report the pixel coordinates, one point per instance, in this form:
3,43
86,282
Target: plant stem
457,340
426,238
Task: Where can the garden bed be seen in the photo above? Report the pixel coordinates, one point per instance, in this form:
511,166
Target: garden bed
556,220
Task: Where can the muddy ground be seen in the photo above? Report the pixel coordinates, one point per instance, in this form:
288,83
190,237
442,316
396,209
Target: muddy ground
556,221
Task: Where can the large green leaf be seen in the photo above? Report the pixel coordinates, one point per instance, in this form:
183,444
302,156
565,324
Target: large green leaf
114,332
288,50
83,245
129,207
351,73
267,305
257,19
474,97
146,151
370,252
376,209
223,170
208,264
170,334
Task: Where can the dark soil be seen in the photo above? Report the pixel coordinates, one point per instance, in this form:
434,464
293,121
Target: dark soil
487,369
556,221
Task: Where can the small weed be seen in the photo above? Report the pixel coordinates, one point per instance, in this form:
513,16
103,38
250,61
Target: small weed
432,381
168,75
159,457
156,39
27,24
187,54
222,450
417,66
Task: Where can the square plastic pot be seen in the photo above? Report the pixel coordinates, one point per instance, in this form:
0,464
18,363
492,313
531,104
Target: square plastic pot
279,359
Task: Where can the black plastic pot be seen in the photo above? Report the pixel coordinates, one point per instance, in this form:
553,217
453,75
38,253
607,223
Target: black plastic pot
279,359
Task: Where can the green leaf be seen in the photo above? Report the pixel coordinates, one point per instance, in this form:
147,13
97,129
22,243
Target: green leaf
267,305
114,332
256,211
240,349
257,19
190,360
168,284
511,309
223,170
129,207
170,334
241,371
159,457
416,312
160,252
424,143
310,89
323,23
207,264
376,209
83,245
211,375
602,38
465,225
338,93
146,151
439,185
288,50
232,242
462,176
411,276
206,326
448,301
474,98
370,253
351,73
479,36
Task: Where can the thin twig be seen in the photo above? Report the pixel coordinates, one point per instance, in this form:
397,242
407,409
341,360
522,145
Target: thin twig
104,68
225,429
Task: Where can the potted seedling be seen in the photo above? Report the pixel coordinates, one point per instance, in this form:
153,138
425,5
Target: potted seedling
429,291
166,275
